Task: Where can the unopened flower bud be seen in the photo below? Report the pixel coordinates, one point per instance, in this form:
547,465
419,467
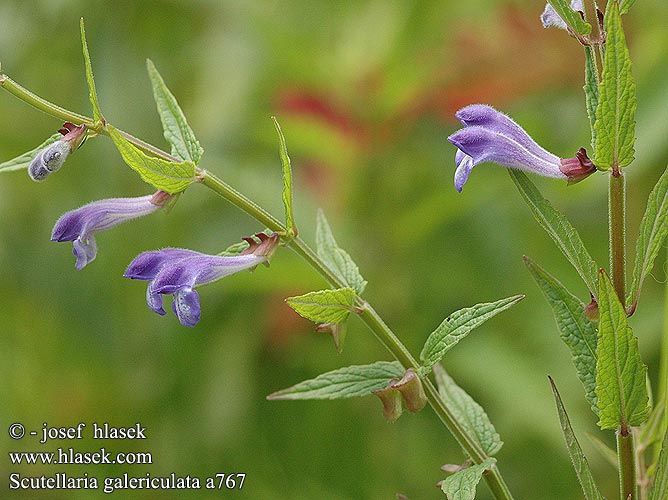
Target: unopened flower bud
391,399
410,387
52,157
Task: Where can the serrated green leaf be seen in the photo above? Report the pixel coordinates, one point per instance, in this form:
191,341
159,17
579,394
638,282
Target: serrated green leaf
560,230
26,158
578,458
168,176
659,489
615,114
577,332
336,258
457,326
176,130
591,93
570,17
620,373
625,5
287,179
324,306
462,484
653,231
348,382
92,93
469,414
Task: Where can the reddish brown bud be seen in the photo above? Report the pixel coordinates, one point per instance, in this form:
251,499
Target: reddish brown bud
337,331
74,135
264,248
410,387
391,399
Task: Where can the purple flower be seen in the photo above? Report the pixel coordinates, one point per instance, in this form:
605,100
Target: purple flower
489,135
177,271
550,18
81,224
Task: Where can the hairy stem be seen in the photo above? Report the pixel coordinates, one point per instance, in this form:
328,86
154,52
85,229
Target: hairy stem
626,456
369,316
617,219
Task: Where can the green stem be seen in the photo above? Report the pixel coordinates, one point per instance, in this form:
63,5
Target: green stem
375,323
617,219
626,456
369,316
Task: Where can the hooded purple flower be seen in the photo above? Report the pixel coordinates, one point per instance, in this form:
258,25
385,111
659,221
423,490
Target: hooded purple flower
81,224
489,135
177,271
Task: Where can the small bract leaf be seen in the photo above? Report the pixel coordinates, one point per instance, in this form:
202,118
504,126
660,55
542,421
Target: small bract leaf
625,5
570,17
347,382
462,484
336,258
560,230
457,326
578,458
177,132
653,231
171,177
577,332
469,414
659,489
287,179
324,306
620,373
92,93
615,114
26,158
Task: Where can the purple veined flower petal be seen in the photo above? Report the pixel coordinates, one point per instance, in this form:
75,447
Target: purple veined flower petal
147,264
486,116
186,306
81,224
550,18
154,301
200,269
85,251
464,166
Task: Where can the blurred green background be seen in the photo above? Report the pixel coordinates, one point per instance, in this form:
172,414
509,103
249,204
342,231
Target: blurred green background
365,92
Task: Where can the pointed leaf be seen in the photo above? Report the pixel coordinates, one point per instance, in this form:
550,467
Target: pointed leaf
177,132
336,258
26,158
653,231
347,382
615,114
324,306
620,373
577,332
168,176
625,5
659,489
591,93
287,179
560,230
92,93
462,484
578,458
570,17
457,326
469,414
